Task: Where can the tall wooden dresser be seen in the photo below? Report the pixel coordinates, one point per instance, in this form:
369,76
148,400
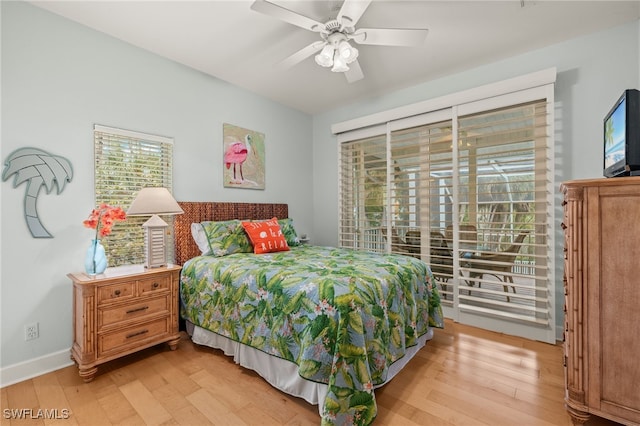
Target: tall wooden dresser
602,298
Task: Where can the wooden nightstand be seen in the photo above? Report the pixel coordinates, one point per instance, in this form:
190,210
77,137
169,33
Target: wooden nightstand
122,311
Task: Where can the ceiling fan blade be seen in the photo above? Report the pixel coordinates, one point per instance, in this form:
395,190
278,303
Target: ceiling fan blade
286,15
301,55
390,36
352,10
354,73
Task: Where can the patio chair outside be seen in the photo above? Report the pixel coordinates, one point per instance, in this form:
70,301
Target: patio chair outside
498,264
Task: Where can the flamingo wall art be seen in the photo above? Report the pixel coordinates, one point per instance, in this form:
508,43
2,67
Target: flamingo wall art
243,162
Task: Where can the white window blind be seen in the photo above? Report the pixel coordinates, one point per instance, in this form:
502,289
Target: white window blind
125,162
502,217
419,157
363,191
471,195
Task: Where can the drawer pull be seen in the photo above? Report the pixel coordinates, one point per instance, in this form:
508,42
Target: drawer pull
155,285
138,333
143,308
117,292
563,226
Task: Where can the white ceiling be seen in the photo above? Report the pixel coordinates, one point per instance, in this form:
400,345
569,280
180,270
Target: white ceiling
228,40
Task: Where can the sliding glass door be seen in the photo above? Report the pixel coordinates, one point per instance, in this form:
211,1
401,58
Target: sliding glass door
468,190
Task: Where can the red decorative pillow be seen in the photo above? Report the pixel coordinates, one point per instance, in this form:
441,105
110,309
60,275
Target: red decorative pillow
266,236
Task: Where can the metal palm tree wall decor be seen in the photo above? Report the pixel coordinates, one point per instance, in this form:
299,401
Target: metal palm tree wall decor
37,168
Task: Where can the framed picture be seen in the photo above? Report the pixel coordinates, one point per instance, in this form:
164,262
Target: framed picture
243,158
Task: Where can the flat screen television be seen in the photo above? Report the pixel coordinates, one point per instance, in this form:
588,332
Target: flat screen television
622,136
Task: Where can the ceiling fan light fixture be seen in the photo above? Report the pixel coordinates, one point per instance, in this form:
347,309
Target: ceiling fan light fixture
347,52
336,51
325,57
339,64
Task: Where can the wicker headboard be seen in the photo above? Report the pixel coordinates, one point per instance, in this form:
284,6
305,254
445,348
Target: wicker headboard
186,248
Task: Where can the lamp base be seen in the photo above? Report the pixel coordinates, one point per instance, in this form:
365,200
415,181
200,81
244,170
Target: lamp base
154,242
154,266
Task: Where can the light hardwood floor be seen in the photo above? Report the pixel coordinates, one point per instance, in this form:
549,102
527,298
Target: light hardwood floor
464,376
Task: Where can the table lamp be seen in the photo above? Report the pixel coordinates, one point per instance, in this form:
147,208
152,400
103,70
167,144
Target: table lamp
154,202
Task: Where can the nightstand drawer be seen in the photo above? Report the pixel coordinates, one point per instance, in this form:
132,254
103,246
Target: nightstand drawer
156,285
122,291
138,308
132,337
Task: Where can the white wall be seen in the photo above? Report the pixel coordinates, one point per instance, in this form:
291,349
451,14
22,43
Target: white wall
592,72
58,79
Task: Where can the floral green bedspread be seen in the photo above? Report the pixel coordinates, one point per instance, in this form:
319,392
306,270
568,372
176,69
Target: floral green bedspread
343,316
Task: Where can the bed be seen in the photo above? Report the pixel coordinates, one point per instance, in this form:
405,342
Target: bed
321,323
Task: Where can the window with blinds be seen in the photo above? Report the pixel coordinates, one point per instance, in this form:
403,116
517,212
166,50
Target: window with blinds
126,162
469,195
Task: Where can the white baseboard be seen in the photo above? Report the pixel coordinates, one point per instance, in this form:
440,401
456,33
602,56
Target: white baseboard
34,367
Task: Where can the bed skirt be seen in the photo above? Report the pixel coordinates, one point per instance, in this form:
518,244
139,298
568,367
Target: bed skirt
283,374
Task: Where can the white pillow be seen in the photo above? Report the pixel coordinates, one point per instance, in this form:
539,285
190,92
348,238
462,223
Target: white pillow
199,236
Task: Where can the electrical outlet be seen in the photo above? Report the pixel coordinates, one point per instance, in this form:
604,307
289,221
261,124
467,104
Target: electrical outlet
31,331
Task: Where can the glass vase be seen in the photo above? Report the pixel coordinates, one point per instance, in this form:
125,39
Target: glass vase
96,260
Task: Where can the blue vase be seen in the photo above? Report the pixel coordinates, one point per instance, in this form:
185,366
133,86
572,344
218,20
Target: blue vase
96,260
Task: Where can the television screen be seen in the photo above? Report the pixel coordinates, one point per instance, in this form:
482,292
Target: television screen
614,134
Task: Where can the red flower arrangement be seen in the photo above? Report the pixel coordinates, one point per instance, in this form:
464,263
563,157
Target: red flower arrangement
103,218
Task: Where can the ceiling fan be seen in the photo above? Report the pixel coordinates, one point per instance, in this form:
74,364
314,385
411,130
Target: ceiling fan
334,47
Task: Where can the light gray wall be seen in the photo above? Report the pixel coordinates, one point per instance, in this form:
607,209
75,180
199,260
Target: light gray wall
58,79
592,72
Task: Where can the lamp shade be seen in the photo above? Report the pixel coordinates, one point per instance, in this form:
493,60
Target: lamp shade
150,201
